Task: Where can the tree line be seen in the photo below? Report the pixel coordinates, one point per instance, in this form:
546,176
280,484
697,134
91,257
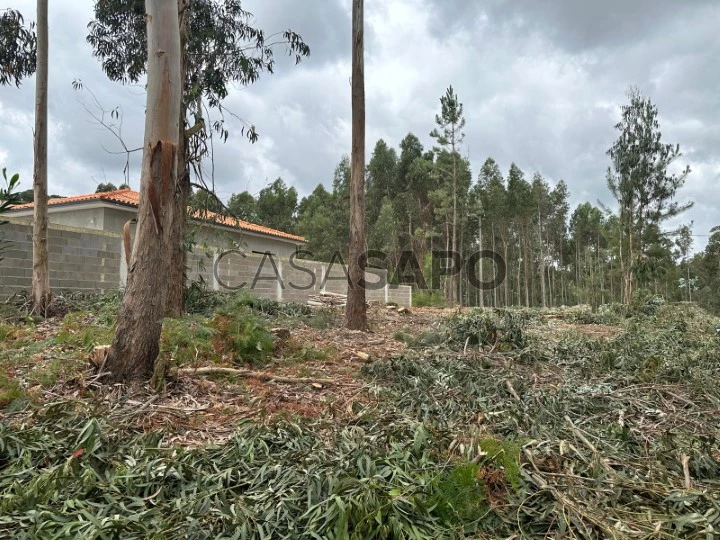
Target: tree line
428,199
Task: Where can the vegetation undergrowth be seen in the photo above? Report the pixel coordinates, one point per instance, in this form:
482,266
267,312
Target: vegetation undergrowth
466,436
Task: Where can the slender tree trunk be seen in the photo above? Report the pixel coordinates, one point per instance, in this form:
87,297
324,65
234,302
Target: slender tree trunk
507,277
41,294
631,259
448,282
526,271
455,220
542,263
495,292
480,245
356,312
178,258
137,339
519,272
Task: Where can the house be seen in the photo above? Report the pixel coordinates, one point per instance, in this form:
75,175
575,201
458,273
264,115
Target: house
110,211
87,254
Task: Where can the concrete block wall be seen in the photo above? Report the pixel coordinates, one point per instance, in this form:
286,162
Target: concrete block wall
92,260
80,259
294,281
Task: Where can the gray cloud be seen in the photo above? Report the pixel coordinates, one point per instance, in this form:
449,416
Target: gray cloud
541,83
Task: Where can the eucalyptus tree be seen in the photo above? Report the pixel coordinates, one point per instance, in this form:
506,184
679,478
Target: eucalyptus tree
276,206
23,52
243,206
136,345
41,293
18,48
220,48
356,311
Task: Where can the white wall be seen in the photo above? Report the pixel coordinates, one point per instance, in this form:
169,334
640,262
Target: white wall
72,216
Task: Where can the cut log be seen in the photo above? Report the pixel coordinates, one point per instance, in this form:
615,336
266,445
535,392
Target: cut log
334,295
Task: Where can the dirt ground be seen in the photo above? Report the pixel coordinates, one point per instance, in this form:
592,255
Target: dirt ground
196,410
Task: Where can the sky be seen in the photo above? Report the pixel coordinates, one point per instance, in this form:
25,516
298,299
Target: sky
541,83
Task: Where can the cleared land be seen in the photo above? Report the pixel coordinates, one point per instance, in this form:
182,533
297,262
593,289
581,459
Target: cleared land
482,424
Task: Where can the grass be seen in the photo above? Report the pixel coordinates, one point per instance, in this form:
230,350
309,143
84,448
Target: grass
10,391
294,352
428,299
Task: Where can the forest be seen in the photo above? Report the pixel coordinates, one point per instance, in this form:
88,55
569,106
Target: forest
578,399
554,255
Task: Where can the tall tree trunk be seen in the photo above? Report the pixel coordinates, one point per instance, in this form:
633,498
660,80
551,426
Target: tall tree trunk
628,270
41,294
543,302
137,338
448,282
480,245
455,219
495,293
526,270
519,272
507,277
356,311
178,257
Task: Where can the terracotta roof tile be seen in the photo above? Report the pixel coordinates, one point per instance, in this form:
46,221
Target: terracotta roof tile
132,198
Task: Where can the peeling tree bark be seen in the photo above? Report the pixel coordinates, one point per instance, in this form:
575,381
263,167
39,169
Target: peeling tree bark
178,257
41,294
137,339
356,310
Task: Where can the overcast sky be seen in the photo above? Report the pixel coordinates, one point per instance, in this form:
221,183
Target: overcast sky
541,83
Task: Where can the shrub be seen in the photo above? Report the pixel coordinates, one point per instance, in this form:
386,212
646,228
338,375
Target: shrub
482,328
429,299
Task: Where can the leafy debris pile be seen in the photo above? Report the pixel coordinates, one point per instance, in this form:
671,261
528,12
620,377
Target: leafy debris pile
609,436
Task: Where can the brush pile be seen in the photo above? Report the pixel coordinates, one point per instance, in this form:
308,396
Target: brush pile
327,300
496,427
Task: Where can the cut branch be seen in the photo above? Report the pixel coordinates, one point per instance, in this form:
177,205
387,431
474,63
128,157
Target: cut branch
254,375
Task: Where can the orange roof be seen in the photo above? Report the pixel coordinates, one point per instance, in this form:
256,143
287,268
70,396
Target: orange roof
129,197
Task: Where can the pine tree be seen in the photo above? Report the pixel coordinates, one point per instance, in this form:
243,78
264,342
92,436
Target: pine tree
640,182
449,135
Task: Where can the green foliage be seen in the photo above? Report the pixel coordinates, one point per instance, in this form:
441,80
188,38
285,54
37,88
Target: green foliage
428,299
190,341
243,206
242,336
276,206
324,217
660,344
69,475
461,494
236,302
643,186
18,48
222,48
10,391
323,319
450,446
105,187
78,329
504,454
235,329
8,198
504,328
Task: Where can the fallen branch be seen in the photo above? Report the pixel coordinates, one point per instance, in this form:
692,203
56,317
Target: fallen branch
685,460
512,391
254,375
